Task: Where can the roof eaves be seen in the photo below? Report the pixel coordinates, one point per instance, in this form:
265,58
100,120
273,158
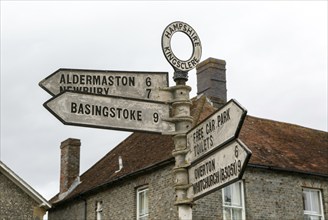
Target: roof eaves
113,181
24,186
285,170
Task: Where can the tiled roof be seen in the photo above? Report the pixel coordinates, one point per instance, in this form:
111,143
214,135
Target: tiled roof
273,144
286,146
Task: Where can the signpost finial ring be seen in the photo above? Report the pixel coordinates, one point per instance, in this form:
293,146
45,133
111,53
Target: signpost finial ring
181,67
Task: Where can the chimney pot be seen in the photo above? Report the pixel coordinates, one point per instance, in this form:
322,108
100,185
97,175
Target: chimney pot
211,80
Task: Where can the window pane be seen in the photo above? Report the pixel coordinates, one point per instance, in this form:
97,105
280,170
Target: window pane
306,200
227,213
142,205
236,214
146,201
236,194
309,217
227,195
233,204
311,201
312,204
315,201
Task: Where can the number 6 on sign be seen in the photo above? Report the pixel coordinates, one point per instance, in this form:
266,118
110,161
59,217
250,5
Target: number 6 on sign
236,151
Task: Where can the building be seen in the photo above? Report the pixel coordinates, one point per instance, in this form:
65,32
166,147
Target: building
18,200
286,177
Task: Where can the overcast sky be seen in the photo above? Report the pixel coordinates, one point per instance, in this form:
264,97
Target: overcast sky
276,54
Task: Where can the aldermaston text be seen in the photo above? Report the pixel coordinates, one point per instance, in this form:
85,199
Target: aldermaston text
94,83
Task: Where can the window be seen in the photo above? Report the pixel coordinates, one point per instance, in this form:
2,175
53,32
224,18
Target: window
142,204
312,204
233,201
99,210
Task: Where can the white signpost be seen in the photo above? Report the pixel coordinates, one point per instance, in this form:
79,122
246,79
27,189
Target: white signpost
219,128
110,112
138,101
219,169
140,85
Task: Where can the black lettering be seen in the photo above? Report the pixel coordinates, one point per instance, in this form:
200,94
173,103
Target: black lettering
99,90
239,166
125,113
89,79
132,81
67,80
118,80
106,91
112,112
139,115
124,81
75,79
82,79
98,110
167,34
73,107
87,109
104,81
62,88
80,111
110,80
105,111
96,80
62,79
118,112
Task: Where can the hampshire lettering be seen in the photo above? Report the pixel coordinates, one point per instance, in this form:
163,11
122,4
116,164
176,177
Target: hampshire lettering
183,27
105,111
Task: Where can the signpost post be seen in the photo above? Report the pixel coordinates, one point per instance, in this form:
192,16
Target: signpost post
181,111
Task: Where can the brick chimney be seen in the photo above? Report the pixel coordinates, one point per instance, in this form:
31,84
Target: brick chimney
211,80
69,163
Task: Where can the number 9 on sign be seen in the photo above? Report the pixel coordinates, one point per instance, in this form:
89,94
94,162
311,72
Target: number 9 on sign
155,117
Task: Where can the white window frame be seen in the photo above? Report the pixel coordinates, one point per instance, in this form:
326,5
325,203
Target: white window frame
99,210
142,191
231,207
309,213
